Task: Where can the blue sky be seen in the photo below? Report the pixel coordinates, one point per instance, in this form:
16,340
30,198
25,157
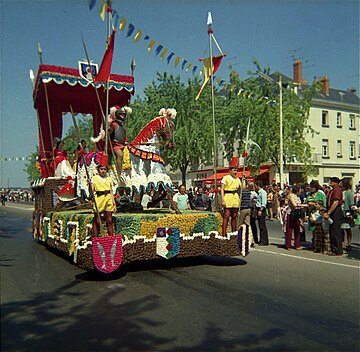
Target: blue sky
323,34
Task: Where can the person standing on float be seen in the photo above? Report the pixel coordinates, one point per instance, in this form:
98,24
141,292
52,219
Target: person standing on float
118,135
230,187
105,203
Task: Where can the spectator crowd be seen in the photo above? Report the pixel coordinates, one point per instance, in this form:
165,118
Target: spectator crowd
329,212
16,196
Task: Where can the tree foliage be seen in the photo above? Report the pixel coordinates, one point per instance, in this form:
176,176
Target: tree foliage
264,120
30,167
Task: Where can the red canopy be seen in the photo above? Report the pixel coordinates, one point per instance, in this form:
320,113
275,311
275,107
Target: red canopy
219,175
59,90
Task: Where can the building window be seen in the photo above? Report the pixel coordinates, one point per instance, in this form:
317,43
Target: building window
325,148
325,118
339,149
338,120
326,180
352,122
352,150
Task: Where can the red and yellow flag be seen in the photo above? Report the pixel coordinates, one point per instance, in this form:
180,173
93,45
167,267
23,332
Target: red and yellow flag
216,61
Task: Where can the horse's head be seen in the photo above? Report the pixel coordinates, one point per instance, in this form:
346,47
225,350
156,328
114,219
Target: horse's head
166,132
162,127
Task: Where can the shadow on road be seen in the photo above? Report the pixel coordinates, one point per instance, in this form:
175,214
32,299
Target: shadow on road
354,253
5,261
159,264
66,320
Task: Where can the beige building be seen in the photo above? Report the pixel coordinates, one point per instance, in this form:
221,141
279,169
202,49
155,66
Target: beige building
334,114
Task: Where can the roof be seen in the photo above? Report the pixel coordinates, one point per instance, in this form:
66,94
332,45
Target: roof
66,82
335,95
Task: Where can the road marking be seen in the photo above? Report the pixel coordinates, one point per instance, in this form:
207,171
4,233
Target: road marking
309,259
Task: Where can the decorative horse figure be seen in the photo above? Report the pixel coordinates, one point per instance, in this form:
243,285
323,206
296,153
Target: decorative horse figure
143,168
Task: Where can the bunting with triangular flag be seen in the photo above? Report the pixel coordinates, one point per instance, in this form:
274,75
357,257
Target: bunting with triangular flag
102,10
91,4
122,23
131,29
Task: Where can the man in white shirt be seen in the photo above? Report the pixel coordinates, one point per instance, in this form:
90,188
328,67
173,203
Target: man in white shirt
260,205
182,199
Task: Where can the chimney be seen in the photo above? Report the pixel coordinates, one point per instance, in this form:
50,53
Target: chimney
297,76
324,84
297,71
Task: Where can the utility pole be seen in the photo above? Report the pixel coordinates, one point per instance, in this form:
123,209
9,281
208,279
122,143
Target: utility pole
281,146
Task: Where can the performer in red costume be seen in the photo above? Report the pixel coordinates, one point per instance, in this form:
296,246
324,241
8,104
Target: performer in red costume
63,167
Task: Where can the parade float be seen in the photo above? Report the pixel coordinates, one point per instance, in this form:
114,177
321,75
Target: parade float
64,211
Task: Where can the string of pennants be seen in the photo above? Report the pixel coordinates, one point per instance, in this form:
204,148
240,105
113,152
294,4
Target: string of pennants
16,158
163,52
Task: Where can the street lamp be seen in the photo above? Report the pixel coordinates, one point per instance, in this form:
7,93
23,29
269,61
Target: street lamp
281,152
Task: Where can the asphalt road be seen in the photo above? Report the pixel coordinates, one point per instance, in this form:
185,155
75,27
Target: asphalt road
271,300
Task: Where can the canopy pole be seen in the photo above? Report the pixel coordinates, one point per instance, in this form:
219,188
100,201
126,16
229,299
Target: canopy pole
42,142
49,120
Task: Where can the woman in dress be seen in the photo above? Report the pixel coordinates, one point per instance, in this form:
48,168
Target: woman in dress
270,202
316,193
294,218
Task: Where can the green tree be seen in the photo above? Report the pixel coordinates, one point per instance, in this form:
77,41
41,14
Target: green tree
30,167
264,117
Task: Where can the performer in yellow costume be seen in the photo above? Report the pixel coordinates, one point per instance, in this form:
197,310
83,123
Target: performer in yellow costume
230,186
104,199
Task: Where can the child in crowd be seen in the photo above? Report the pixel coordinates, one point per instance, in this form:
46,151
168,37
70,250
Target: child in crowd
321,232
284,211
105,203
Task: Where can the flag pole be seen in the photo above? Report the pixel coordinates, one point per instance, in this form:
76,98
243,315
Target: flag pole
210,32
106,84
104,119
